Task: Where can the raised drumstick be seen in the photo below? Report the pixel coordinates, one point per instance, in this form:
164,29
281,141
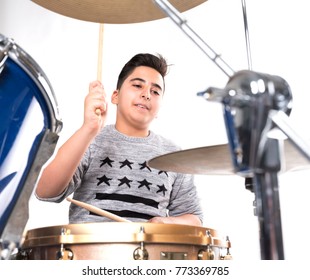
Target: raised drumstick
100,48
98,211
99,63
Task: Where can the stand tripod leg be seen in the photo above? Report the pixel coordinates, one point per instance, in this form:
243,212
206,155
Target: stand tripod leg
269,216
268,203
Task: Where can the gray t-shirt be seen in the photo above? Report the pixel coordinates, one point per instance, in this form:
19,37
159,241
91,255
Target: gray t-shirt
114,176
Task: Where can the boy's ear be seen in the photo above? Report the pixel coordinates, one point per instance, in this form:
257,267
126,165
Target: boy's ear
114,97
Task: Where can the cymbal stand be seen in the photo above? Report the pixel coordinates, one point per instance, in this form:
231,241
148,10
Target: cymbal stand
182,23
250,100
253,104
246,34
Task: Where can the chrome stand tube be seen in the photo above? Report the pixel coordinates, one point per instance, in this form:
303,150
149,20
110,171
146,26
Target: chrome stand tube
182,23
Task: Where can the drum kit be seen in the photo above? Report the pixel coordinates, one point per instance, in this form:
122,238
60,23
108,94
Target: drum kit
28,111
254,105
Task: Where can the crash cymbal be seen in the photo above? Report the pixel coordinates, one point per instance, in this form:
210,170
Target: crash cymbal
216,160
203,160
114,11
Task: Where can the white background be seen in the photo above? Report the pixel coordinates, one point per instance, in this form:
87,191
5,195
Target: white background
67,51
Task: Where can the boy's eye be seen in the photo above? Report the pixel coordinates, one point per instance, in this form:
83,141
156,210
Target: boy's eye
155,92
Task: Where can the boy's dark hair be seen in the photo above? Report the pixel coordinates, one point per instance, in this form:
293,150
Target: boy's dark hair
158,63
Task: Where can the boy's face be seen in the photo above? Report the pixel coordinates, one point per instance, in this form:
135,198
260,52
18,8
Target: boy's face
139,98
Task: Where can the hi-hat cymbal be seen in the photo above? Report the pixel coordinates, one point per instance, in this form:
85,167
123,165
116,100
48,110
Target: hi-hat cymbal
216,160
114,11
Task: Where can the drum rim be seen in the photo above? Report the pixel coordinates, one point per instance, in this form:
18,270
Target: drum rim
38,76
117,232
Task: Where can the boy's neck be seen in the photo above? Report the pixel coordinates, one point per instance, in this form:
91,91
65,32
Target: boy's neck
132,131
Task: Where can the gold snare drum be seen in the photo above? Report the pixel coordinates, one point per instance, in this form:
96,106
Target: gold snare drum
124,241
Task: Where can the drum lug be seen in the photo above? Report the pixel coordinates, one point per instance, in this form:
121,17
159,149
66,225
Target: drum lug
64,254
206,254
140,253
228,256
209,253
23,254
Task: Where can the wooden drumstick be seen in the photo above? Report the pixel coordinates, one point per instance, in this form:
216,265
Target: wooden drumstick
99,63
100,48
98,211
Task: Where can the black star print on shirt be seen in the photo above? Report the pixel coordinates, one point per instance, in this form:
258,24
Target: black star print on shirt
106,161
126,163
144,183
126,181
103,179
162,189
144,165
163,172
